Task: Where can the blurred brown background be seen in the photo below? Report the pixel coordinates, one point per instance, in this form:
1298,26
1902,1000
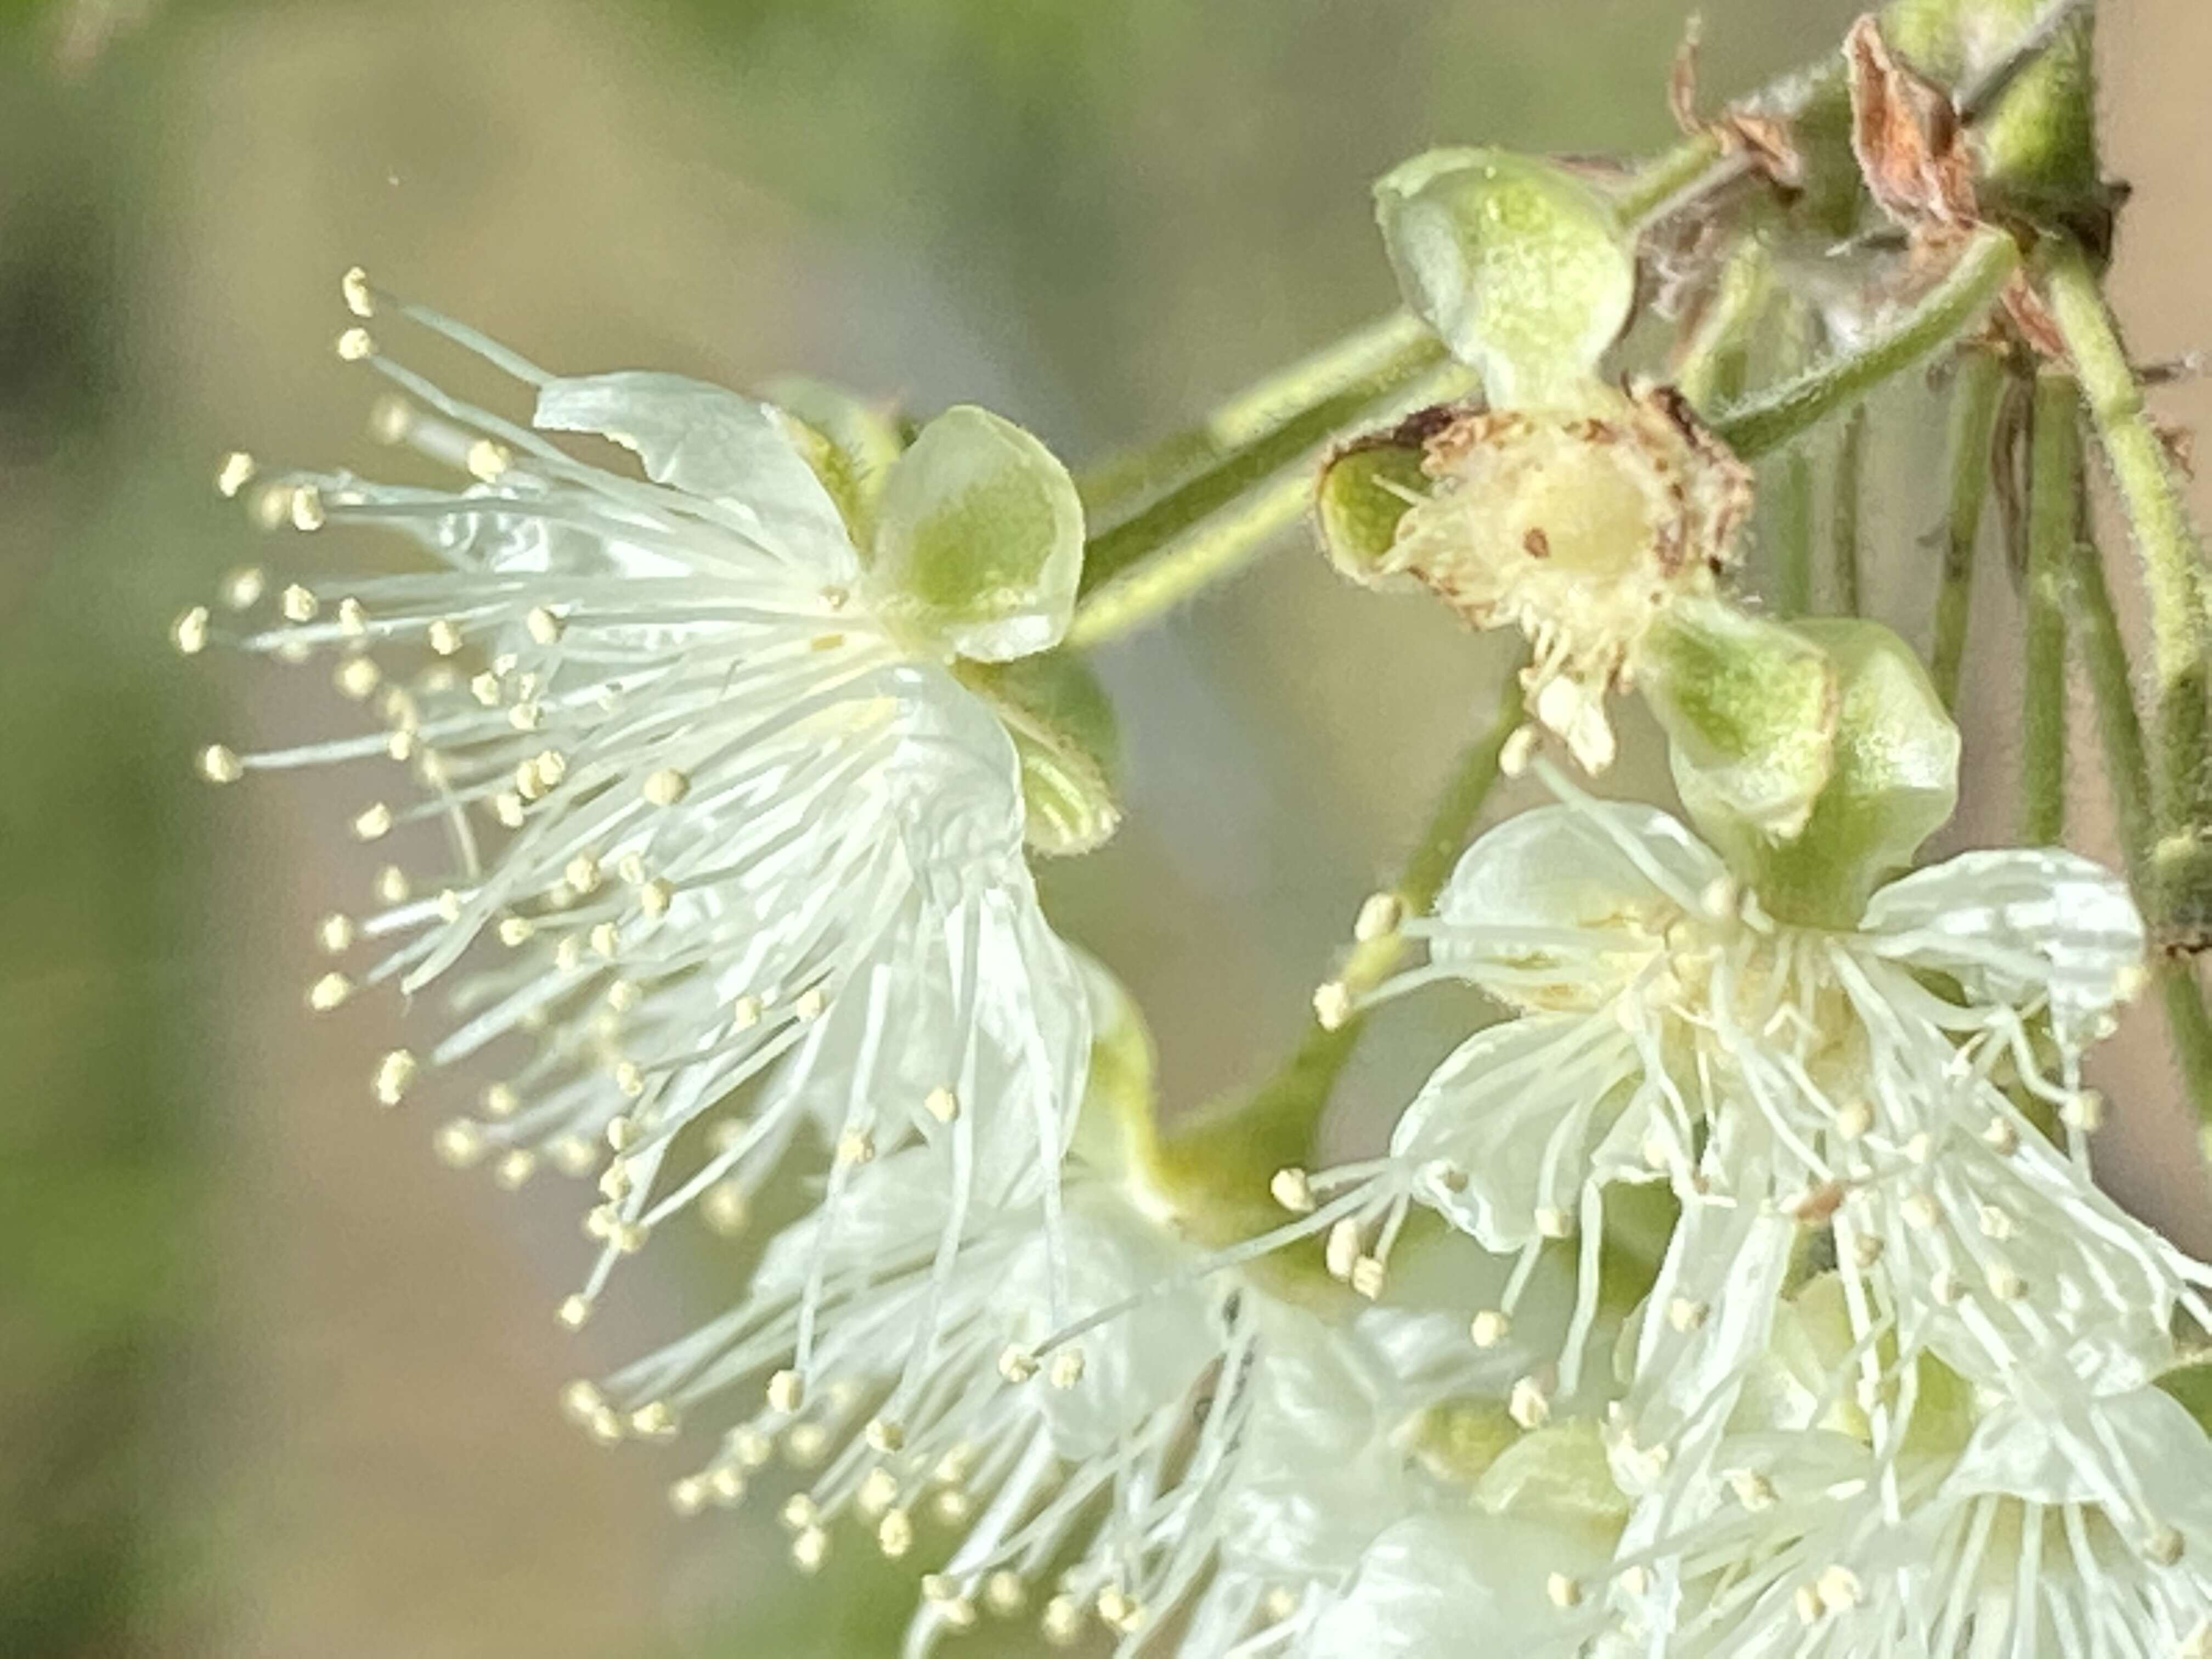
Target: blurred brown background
271,1382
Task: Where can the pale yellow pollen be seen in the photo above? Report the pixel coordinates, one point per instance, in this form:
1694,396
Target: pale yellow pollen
605,938
953,1507
1685,1314
726,1484
508,807
1635,1580
1003,1593
328,992
460,1143
1067,1369
810,1549
1853,1119
1994,1222
1753,1490
666,787
624,995
308,508
787,1392
189,632
895,1534
391,420
630,866
1806,1599
1342,1249
811,1004
745,1012
723,1208
629,1079
689,1495
242,589
354,344
1921,1209
394,1073
582,873
2004,1284
654,898
1999,1135
1564,1592
1839,1589
487,461
485,688
449,906
806,1445
1946,1288
628,1238
1519,750
354,285
1379,916
1529,1403
1017,1363
574,1311
219,765
1293,1190
515,932
234,474
1866,1249
542,625
654,1420
856,1146
941,1104
798,1512
751,1448
2084,1110
1920,1147
373,822
335,933
615,1182
1062,1622
1332,1004
1554,1223
514,1168
392,887
1489,1327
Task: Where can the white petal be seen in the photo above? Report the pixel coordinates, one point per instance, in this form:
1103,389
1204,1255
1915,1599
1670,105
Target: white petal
1454,1584
712,443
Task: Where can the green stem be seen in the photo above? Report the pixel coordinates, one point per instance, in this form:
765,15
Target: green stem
2166,542
1985,262
2054,512
1248,416
1713,367
1218,1161
1699,161
1974,399
1844,515
2127,768
1792,521
1209,528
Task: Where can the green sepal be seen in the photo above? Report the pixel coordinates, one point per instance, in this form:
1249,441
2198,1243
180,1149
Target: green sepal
1893,780
1364,490
2190,1380
1115,1134
1524,270
1558,1474
979,539
849,441
1749,707
1069,744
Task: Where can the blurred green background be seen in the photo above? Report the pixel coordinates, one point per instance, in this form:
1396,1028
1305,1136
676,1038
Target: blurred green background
271,1382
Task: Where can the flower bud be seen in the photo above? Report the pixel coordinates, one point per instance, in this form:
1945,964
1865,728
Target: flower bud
1521,269
1363,496
1750,708
1064,732
979,538
850,443
1892,771
1580,526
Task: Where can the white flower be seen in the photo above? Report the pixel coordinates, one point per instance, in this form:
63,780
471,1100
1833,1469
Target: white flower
2050,1532
1203,1449
726,854
1885,1087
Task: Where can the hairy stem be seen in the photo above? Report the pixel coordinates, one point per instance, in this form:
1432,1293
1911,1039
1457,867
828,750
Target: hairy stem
1136,475
2054,511
2165,540
1974,398
1213,525
1844,511
2127,770
1984,263
1792,523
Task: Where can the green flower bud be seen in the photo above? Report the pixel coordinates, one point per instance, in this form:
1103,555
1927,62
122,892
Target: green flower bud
1558,1474
1523,269
1750,706
849,441
1064,732
979,538
1892,772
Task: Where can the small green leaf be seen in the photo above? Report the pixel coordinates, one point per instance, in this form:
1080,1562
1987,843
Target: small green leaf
1065,734
979,539
1523,269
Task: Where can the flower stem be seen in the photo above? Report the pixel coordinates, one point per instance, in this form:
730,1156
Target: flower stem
1209,527
2127,766
1138,476
1844,513
2165,540
1217,1163
2054,512
1974,399
1713,365
1984,263
1793,537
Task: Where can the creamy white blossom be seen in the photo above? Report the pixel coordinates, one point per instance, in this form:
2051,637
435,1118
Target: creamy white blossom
727,856
1889,1093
